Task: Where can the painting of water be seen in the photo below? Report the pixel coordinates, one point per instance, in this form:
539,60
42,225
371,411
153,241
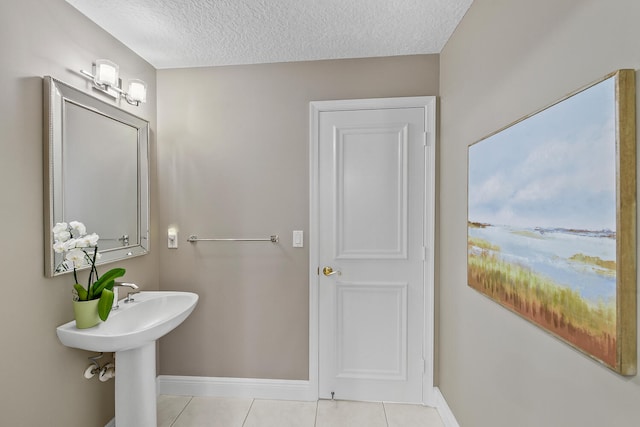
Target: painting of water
551,220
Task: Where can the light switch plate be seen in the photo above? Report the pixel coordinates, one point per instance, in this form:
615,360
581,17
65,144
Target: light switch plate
298,239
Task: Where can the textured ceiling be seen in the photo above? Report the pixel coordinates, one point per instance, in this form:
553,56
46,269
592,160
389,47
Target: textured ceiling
194,33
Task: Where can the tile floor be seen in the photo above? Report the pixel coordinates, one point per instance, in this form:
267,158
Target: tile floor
185,411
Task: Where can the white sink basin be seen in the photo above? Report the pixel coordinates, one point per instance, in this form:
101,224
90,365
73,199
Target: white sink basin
150,316
131,332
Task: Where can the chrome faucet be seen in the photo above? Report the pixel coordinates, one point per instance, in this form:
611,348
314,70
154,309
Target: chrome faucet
134,290
127,285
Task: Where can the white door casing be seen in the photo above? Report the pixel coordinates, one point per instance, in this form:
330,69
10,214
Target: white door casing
372,208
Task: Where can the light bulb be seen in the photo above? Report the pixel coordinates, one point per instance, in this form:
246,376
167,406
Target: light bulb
106,73
137,91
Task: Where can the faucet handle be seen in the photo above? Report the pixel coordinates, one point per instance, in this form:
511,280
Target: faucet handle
129,297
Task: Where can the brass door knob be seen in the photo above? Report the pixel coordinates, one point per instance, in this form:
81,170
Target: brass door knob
328,271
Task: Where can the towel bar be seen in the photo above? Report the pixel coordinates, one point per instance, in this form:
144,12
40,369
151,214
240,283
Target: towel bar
273,239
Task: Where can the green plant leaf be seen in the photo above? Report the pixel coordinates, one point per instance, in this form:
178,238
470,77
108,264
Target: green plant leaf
106,280
82,292
105,303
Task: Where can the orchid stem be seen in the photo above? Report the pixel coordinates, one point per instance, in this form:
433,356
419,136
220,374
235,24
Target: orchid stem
93,262
91,271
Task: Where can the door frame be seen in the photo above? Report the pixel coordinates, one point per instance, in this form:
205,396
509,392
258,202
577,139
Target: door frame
429,395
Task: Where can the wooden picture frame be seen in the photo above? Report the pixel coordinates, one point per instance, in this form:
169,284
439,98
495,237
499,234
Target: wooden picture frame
551,222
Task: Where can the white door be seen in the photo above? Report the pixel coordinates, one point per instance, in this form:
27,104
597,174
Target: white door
371,237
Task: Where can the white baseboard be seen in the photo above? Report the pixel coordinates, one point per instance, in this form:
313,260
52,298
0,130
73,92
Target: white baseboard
236,387
441,405
111,423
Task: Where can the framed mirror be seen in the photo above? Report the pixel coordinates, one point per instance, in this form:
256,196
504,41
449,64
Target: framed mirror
96,164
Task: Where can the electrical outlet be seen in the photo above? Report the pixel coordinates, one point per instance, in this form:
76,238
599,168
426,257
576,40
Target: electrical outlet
172,238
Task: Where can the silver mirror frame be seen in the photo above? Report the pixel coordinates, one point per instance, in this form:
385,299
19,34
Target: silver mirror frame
56,95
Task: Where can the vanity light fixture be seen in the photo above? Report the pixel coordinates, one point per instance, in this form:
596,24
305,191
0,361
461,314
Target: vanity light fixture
106,73
106,79
137,92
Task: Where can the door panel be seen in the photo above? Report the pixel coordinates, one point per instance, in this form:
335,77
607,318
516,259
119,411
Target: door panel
377,184
371,228
371,331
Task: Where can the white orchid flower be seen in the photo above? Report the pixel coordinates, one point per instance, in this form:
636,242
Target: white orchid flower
72,241
77,257
62,236
81,242
59,247
78,227
92,239
60,227
88,241
70,244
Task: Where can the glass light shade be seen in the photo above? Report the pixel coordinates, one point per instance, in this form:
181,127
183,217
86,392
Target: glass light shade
106,73
137,90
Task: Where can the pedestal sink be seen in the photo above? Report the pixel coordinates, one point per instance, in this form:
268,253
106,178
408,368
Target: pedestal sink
131,332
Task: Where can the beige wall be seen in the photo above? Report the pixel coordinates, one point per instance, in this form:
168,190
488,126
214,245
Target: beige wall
509,58
233,162
41,381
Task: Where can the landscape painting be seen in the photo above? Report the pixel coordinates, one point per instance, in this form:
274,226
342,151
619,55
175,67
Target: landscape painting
551,220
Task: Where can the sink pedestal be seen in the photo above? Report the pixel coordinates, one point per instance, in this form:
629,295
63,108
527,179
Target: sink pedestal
136,387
